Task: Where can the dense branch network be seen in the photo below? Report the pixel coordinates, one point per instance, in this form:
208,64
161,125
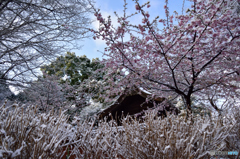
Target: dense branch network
34,32
199,54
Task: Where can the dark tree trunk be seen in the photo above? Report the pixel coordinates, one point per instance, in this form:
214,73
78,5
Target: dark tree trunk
188,103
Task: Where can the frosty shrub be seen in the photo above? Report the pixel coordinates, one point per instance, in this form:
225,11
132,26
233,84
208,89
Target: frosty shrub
24,133
91,110
171,137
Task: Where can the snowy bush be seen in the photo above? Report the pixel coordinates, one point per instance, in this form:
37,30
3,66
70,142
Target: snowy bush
24,133
91,110
171,137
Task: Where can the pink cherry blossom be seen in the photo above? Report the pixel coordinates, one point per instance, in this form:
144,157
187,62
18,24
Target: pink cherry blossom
198,54
147,14
137,7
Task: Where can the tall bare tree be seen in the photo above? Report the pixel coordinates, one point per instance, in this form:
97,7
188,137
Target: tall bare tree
33,31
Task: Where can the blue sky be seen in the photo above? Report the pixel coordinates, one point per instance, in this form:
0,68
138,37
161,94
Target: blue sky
107,7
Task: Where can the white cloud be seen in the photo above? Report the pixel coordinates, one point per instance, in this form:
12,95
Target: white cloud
96,24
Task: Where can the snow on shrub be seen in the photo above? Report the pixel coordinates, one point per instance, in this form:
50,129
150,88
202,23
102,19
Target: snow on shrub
91,110
26,134
171,137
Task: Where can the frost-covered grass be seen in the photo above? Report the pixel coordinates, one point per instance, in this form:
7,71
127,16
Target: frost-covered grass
27,134
171,137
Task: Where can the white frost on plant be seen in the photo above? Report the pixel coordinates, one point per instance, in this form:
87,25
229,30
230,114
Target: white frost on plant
204,126
90,110
145,91
154,137
18,151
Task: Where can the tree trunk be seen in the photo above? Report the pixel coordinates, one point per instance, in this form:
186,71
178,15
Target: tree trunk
188,103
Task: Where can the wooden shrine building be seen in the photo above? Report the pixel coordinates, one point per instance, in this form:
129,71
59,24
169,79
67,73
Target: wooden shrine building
133,102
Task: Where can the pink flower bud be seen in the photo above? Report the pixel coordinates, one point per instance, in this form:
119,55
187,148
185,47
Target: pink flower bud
141,28
147,14
137,7
144,20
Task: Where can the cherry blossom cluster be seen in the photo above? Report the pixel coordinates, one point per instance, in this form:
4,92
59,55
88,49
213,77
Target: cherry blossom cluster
195,56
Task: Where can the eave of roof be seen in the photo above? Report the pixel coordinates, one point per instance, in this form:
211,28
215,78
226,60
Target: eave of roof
132,91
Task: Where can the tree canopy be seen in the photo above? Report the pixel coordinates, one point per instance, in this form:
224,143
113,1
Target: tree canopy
64,83
197,56
73,69
33,32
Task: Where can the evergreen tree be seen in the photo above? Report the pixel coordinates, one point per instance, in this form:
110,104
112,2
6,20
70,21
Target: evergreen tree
72,69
